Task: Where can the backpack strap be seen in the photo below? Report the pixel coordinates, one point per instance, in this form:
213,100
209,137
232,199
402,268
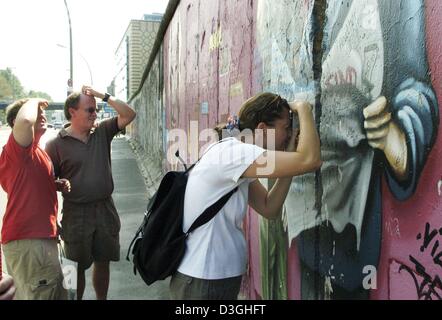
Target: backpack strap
191,167
211,211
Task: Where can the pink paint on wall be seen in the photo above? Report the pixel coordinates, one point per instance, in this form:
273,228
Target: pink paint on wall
236,57
252,280
293,272
400,285
404,221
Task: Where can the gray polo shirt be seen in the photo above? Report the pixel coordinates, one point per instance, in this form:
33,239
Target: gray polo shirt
86,165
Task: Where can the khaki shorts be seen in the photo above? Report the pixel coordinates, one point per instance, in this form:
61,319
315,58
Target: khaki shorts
35,267
90,232
184,287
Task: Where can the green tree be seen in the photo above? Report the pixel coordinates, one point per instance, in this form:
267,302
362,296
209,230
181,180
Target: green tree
15,84
39,94
11,88
5,89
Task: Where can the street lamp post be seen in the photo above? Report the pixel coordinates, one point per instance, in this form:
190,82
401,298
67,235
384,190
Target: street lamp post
84,59
71,75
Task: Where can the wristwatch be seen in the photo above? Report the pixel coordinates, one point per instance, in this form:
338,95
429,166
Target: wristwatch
106,97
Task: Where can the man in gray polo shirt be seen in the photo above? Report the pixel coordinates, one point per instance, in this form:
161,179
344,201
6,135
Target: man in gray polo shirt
81,153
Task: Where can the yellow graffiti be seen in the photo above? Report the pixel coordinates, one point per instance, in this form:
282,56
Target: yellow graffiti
236,89
215,40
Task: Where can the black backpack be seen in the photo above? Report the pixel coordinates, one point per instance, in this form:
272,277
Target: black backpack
160,243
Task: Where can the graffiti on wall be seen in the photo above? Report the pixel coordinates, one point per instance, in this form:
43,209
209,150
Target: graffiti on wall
363,65
428,286
378,116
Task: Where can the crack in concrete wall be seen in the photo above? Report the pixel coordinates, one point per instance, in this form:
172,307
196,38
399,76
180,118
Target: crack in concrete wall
318,24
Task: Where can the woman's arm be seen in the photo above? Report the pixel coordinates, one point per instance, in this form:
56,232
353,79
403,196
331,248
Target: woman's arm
269,203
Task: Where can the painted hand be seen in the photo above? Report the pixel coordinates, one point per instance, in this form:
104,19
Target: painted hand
384,134
377,123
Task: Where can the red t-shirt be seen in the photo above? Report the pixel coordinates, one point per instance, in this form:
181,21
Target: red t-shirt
27,176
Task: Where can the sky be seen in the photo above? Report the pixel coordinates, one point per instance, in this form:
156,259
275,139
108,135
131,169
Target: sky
32,33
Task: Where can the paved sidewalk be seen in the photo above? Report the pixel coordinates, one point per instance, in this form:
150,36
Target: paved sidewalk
130,198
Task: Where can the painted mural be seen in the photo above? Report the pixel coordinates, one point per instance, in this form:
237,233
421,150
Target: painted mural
377,114
368,224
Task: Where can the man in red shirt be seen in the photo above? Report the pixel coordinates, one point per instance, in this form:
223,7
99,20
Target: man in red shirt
29,232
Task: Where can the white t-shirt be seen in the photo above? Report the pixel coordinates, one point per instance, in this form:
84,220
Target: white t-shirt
217,249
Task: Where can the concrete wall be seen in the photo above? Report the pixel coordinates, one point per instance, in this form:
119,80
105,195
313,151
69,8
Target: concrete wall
148,131
371,216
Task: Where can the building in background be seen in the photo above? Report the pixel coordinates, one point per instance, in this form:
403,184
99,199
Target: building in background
132,55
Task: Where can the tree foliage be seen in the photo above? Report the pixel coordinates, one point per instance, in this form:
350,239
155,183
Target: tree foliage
11,88
39,94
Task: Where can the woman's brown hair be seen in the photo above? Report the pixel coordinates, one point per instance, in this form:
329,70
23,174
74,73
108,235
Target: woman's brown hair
264,107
